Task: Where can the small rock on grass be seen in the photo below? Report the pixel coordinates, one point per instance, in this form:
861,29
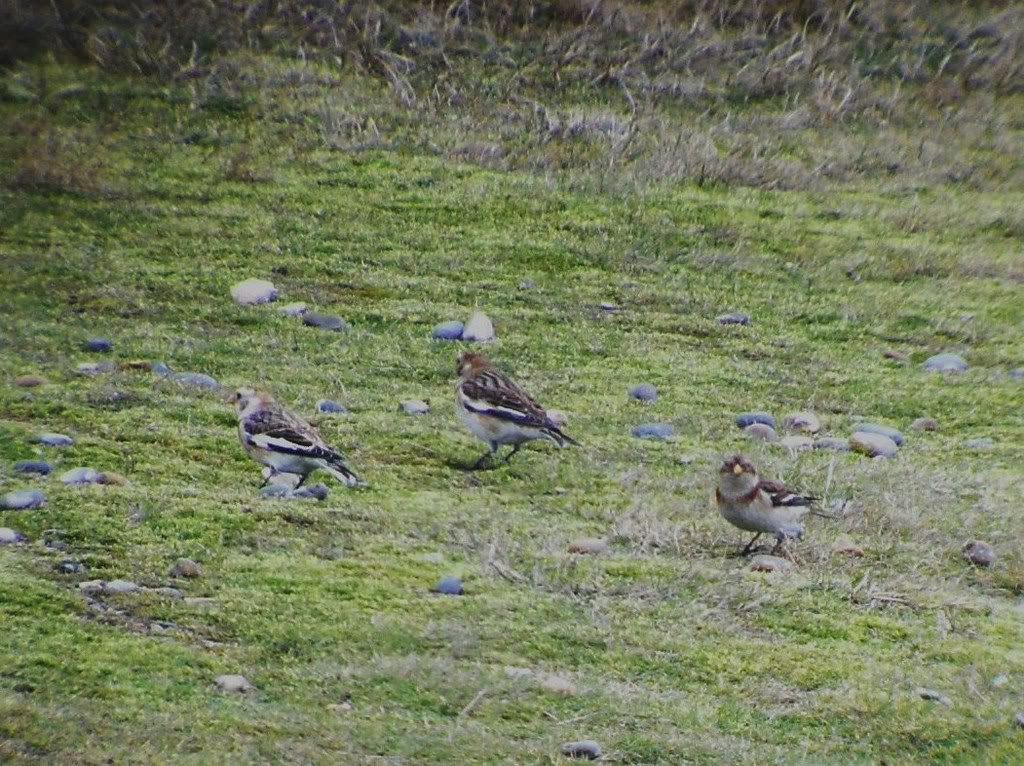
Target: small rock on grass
844,546
53,440
285,492
589,545
832,443
749,418
873,445
450,586
121,586
654,431
70,567
979,553
644,392
945,363
1017,373
448,331
925,424
766,563
329,407
22,500
933,696
111,478
796,443
29,381
39,467
293,309
95,368
761,432
186,568
585,749
78,476
805,422
478,328
325,322
414,407
234,684
9,537
198,380
251,292
734,318
875,428
97,345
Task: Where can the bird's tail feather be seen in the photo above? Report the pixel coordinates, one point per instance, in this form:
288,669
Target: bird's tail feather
337,468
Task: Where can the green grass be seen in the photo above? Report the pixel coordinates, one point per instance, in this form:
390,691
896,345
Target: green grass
678,652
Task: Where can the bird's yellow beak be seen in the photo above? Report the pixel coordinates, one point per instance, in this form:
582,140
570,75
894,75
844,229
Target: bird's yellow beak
737,469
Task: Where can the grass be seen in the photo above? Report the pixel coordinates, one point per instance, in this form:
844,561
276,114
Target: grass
678,653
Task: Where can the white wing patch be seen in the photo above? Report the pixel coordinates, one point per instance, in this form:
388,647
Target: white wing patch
277,444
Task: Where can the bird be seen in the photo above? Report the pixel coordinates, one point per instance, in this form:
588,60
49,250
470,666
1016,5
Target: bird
758,505
497,411
283,441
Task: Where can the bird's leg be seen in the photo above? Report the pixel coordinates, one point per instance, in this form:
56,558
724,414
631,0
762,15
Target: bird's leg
484,457
515,449
270,476
750,545
302,480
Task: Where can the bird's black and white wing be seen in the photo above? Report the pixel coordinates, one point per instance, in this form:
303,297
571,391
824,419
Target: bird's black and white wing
492,394
780,496
279,431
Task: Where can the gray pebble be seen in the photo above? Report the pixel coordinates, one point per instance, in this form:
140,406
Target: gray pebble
70,567
983,444
873,445
160,369
251,292
121,586
979,553
933,696
586,749
194,380
234,684
22,500
293,309
414,407
275,491
644,392
1017,374
450,586
314,492
95,368
734,318
448,331
54,440
945,363
80,476
186,568
747,418
9,537
654,431
761,432
329,407
478,328
925,424
832,443
807,422
796,443
40,467
875,428
325,322
92,586
98,345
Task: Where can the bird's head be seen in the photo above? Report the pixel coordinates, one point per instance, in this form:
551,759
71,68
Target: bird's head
245,398
737,474
470,363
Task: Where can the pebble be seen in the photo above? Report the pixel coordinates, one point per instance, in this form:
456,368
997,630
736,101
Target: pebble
233,683
330,407
314,492
9,537
293,309
95,368
844,546
796,443
875,428
478,328
945,363
873,445
70,567
558,685
22,500
749,418
984,444
98,345
765,563
29,381
121,586
832,443
167,592
80,476
807,422
54,440
414,407
251,292
589,545
112,478
325,322
285,492
586,749
734,318
933,696
273,491
1017,374
979,553
925,424
448,331
654,431
644,392
160,369
193,380
450,586
761,432
186,568
91,586
40,467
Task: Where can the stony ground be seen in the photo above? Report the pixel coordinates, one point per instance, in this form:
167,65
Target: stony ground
603,597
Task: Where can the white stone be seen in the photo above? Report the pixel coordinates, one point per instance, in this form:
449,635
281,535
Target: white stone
478,328
251,292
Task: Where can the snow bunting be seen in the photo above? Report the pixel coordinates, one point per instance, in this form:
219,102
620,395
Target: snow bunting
756,505
496,410
283,441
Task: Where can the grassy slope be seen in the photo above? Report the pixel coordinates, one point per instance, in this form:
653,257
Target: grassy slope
679,653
